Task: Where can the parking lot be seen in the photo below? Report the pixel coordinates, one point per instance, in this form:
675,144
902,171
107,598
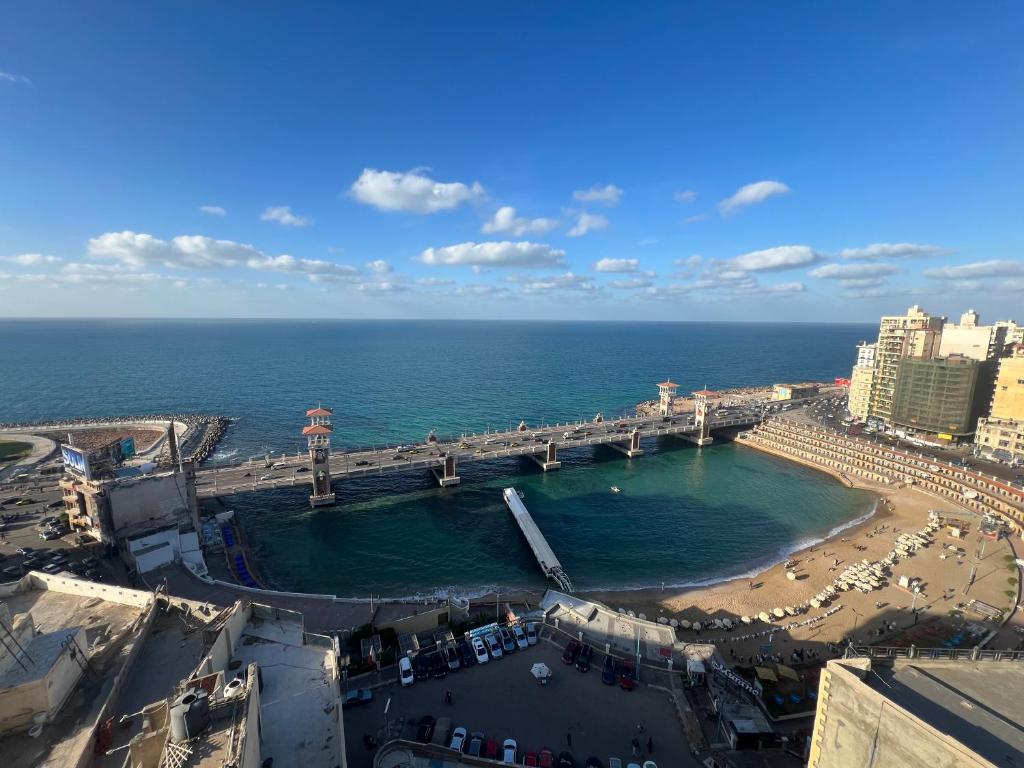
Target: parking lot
574,712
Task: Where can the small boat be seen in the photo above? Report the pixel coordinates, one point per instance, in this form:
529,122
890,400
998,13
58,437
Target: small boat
522,495
616,489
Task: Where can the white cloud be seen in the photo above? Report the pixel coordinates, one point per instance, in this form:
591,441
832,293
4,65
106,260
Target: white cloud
275,286
379,266
316,270
993,268
667,291
608,194
480,290
776,259
694,219
863,282
505,220
494,254
138,249
283,215
31,259
587,222
213,210
893,251
434,281
794,287
12,78
690,261
685,196
617,265
852,271
751,194
568,281
382,286
412,191
633,282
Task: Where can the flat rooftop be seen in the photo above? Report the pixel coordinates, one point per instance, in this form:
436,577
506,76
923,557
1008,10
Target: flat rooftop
977,703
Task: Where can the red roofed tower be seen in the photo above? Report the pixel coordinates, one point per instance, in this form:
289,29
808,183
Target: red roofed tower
701,401
318,438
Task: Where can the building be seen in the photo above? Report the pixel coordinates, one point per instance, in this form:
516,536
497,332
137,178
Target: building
942,396
1001,439
861,381
895,713
1014,332
913,335
793,391
967,338
1008,394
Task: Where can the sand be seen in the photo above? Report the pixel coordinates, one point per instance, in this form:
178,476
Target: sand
900,511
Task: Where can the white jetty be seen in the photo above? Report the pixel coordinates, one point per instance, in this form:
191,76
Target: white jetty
541,549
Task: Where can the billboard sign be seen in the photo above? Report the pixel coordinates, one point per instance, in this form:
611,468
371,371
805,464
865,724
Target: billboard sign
127,448
76,461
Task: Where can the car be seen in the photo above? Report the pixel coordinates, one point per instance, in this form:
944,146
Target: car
493,645
52,569
425,729
609,672
508,643
593,762
23,502
301,470
12,573
49,535
362,463
546,758
491,749
565,760
572,650
583,660
58,559
438,667
458,741
451,657
530,758
90,562
531,633
509,751
266,477
480,651
405,673
278,465
356,697
476,744
397,457
25,550
76,568
520,637
93,574
55,504
627,676
442,732
421,666
466,655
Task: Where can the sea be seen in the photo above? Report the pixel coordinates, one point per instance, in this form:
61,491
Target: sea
684,516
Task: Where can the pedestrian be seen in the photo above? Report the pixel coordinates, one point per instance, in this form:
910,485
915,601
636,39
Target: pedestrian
650,745
636,746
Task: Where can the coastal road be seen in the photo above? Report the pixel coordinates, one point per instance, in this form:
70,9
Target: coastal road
294,470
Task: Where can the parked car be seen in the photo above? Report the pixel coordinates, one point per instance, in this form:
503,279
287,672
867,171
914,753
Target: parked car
546,758
491,749
530,759
90,562
583,660
25,550
356,697
480,650
531,633
405,673
458,739
438,667
12,573
565,760
442,732
52,569
593,762
421,666
451,657
509,751
609,671
627,676
493,645
508,643
466,655
476,744
94,574
572,650
520,637
425,729
49,535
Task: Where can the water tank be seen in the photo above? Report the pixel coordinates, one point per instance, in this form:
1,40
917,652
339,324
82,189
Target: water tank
190,714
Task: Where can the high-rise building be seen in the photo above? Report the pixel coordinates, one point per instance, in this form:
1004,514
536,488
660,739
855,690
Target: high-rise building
967,338
943,396
1008,395
861,380
913,335
1001,439
1014,332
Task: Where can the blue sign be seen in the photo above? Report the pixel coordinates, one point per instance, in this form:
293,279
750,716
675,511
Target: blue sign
75,460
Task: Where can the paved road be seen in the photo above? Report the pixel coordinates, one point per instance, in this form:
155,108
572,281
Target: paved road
292,470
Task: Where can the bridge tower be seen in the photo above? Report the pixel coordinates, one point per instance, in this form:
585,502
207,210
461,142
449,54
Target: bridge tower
318,438
702,400
667,397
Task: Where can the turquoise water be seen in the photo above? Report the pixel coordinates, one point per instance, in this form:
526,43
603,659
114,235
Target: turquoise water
683,516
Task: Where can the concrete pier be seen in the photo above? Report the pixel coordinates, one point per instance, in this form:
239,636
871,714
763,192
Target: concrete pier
541,549
447,473
549,459
633,449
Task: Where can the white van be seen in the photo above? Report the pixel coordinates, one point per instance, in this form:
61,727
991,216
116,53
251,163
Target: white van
405,674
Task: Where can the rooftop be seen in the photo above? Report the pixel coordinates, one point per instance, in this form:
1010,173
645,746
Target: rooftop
317,429
319,411
977,703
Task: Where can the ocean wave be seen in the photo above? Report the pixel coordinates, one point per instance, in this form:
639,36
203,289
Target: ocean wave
224,455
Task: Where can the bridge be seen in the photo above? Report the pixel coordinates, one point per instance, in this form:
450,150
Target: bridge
443,457
538,544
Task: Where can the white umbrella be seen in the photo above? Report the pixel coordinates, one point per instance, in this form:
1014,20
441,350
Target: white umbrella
764,617
662,620
540,670
727,623
684,624
642,616
746,619
717,623
779,613
673,623
696,625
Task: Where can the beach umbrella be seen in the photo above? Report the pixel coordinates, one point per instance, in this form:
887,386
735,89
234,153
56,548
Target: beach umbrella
791,575
717,623
778,612
696,625
789,610
745,619
673,623
727,623
815,603
684,624
642,616
662,620
540,670
764,617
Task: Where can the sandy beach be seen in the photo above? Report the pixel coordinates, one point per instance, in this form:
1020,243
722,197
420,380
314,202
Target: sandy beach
902,510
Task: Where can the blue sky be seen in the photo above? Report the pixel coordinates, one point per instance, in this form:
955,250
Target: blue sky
740,161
